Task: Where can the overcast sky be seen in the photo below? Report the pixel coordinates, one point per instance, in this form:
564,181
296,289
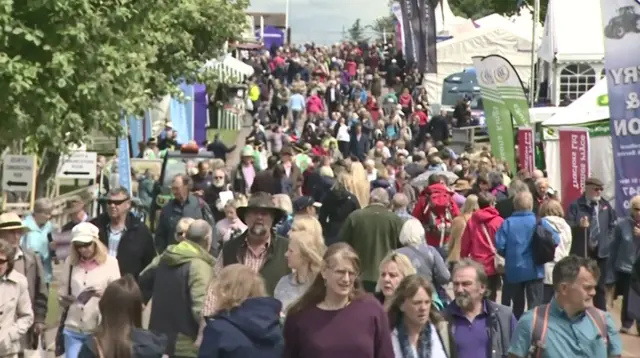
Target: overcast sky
322,20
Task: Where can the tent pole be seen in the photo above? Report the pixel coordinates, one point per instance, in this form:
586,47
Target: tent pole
532,81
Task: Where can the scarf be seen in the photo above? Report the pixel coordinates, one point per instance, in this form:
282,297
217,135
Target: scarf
424,341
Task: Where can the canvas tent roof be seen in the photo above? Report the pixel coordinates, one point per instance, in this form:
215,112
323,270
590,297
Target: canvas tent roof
573,32
583,110
450,24
230,69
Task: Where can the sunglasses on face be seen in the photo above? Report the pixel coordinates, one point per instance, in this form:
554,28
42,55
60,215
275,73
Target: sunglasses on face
3,261
635,209
116,202
220,177
81,245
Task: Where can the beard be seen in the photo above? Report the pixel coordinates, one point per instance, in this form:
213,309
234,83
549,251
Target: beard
218,183
258,229
463,300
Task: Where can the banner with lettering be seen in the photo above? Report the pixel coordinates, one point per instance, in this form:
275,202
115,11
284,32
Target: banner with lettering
574,163
497,115
526,149
427,58
396,9
622,65
510,88
411,26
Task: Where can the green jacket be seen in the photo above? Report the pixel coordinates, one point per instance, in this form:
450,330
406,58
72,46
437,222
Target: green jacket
372,232
188,265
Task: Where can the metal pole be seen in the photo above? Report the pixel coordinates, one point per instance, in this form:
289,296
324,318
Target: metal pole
262,29
534,20
286,15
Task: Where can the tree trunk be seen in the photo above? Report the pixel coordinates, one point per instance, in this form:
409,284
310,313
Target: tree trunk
47,172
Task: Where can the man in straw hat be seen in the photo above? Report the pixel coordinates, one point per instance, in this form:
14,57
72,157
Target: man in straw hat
258,247
27,263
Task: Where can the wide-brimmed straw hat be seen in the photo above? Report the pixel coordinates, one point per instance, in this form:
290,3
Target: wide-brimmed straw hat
261,201
461,185
11,221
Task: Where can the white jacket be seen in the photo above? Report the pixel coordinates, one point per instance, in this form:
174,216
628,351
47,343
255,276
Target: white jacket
564,247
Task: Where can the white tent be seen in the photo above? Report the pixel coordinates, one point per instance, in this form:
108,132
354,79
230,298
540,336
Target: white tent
584,111
448,24
455,55
573,46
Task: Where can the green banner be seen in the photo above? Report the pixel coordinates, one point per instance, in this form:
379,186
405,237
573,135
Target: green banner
497,115
510,88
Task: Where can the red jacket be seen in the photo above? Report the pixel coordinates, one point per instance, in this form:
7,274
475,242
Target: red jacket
474,243
443,214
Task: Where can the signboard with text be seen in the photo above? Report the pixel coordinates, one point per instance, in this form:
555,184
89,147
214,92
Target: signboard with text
78,165
526,149
574,163
19,173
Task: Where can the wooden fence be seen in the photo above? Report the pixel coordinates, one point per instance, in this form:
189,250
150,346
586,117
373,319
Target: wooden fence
60,216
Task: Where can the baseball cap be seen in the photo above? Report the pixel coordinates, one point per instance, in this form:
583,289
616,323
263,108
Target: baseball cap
85,232
304,202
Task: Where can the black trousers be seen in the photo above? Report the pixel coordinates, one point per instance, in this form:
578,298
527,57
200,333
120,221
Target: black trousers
493,286
531,290
623,281
547,294
600,299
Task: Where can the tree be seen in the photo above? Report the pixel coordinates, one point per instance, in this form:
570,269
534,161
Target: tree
67,68
475,9
383,26
356,32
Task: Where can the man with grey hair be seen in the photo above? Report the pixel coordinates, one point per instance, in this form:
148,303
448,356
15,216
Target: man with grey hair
505,206
399,205
184,271
38,237
476,321
372,231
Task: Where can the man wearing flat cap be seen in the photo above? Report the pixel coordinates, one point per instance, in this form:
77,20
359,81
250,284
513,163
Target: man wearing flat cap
258,247
592,220
29,264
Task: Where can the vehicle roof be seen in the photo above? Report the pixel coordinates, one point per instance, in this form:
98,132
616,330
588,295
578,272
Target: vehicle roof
177,153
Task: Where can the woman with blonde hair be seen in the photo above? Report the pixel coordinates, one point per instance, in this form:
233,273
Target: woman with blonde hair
339,202
458,224
418,331
231,226
246,322
393,268
86,273
181,228
552,223
335,318
359,184
304,258
283,201
17,314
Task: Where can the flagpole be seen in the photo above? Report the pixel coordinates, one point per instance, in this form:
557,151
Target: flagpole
534,20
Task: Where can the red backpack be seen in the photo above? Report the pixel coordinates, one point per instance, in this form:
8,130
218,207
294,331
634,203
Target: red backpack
438,213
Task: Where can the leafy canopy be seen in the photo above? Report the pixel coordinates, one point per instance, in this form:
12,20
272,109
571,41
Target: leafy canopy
68,67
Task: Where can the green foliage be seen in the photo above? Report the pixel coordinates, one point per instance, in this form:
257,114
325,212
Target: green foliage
357,32
475,9
383,26
69,67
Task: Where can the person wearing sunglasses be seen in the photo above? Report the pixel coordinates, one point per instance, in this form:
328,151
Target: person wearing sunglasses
592,219
86,273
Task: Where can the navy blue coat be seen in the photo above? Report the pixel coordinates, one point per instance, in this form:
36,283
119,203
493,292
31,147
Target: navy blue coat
251,330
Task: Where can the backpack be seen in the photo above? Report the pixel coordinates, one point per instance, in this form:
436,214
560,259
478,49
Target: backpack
540,325
438,213
542,246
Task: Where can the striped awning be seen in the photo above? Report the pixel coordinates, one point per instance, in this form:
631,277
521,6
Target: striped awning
230,69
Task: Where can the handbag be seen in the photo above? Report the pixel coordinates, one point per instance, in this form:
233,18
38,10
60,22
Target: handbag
60,349
498,261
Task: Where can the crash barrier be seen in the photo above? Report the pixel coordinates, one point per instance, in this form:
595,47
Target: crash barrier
231,117
60,214
460,137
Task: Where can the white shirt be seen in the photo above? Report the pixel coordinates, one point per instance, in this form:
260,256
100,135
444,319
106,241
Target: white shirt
437,349
343,133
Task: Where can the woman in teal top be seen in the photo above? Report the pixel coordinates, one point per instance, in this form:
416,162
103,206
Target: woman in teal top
37,239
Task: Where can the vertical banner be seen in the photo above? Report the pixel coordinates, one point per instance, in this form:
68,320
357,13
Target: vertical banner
411,25
621,62
510,88
124,160
396,9
427,60
497,115
526,149
574,163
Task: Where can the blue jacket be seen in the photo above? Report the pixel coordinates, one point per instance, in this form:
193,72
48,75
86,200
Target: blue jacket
513,241
251,330
606,218
625,249
37,240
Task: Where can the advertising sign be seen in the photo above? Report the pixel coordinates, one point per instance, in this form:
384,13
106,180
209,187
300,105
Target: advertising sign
574,163
526,149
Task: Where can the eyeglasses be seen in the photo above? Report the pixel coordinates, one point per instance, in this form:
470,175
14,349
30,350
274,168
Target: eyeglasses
218,177
3,261
116,202
597,189
635,209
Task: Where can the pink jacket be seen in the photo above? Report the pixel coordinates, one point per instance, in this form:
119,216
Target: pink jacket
314,105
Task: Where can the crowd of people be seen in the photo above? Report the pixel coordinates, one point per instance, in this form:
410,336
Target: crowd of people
349,228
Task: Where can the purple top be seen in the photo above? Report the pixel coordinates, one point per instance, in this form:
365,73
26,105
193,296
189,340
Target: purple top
360,330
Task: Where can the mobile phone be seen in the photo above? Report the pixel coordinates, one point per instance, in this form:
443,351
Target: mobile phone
86,295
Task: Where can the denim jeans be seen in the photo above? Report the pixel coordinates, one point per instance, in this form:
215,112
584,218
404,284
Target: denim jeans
73,342
532,290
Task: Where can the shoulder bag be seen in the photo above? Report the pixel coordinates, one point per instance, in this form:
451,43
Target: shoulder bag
60,349
498,261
